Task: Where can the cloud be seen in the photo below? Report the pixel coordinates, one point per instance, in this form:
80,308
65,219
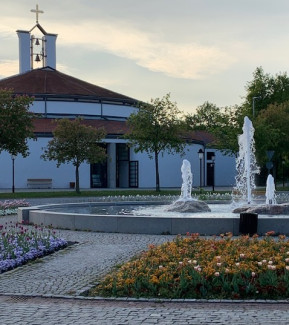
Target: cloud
8,68
149,50
175,59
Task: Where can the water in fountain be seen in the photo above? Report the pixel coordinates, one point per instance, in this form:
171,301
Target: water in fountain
270,190
245,180
246,164
186,203
187,176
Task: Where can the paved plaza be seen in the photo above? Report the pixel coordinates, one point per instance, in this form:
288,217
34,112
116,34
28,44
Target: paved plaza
47,291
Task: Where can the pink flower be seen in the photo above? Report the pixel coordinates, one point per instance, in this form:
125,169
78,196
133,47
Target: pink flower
217,273
260,263
253,274
271,267
219,264
242,255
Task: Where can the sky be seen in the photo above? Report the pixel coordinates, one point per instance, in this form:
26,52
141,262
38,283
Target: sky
196,50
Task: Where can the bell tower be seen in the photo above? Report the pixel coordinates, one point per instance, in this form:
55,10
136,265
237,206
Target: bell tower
37,49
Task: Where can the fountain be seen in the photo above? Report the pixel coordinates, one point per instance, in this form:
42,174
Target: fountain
270,190
246,164
245,180
179,217
186,203
271,207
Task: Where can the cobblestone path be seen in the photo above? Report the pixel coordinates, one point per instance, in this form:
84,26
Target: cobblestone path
35,293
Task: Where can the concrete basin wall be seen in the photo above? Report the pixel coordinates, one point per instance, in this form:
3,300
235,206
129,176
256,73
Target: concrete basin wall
145,224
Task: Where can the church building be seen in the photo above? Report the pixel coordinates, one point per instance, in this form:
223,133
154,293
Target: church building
58,95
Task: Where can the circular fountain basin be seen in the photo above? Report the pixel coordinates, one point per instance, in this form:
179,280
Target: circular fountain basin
144,218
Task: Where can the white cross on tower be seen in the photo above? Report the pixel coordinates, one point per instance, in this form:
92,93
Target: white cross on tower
37,12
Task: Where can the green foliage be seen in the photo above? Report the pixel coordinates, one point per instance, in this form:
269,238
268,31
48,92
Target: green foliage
156,128
75,143
270,89
270,95
224,124
272,131
16,124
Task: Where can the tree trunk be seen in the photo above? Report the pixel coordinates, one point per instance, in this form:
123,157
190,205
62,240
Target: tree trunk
77,179
157,172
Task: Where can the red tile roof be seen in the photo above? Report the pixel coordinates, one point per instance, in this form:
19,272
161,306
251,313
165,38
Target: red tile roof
48,81
48,125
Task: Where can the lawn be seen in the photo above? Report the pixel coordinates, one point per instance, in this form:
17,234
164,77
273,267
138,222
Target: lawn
208,268
91,193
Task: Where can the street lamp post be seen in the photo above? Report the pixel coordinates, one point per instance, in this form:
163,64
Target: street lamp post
13,157
213,165
254,98
201,156
283,163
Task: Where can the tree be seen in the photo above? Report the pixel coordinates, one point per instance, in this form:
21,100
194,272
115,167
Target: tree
156,128
76,143
16,123
224,124
267,88
272,132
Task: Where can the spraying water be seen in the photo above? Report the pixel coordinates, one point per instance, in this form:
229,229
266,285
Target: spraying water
186,203
246,164
187,176
270,190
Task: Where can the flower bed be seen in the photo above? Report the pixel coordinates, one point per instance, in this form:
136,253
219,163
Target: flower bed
195,267
20,244
10,207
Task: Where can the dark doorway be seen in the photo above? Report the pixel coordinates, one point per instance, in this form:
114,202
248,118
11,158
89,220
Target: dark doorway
210,174
126,170
133,174
98,174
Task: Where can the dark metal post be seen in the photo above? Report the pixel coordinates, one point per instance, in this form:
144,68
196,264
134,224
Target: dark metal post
213,165
13,173
283,163
201,156
254,98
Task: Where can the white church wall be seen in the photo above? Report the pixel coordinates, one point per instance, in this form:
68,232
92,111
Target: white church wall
170,168
38,107
34,167
73,108
85,108
117,110
225,169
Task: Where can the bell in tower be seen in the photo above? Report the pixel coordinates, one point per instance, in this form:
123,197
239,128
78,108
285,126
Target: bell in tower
36,50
